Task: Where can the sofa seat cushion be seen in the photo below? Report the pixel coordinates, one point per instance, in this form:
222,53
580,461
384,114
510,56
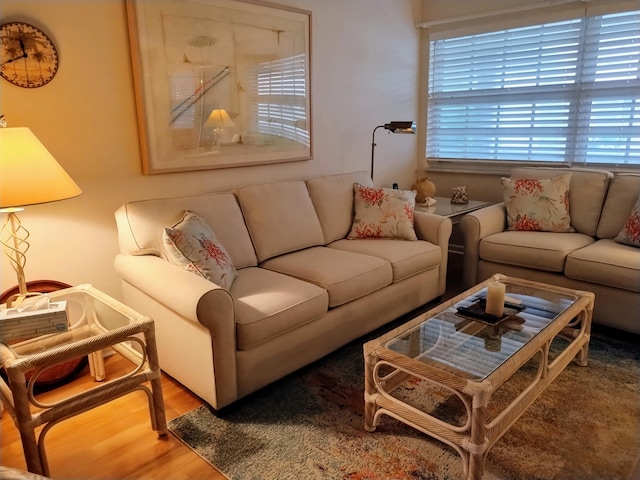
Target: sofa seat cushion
344,275
406,258
606,262
538,250
268,304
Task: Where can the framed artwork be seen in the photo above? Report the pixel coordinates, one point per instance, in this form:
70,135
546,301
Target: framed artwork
220,83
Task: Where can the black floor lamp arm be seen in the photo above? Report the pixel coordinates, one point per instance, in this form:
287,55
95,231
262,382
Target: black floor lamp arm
373,146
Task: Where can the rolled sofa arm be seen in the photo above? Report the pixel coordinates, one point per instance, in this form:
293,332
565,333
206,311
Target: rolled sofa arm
195,304
437,230
475,226
432,228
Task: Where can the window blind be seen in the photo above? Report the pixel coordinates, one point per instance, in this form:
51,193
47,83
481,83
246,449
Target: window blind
280,105
564,92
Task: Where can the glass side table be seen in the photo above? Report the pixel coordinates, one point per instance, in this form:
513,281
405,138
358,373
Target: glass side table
88,312
454,211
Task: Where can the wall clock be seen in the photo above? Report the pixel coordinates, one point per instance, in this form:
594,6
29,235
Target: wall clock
28,57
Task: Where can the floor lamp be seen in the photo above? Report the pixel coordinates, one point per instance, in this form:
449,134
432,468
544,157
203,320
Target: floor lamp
29,175
393,127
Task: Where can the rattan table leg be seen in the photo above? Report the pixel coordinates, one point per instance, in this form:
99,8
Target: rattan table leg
25,424
158,415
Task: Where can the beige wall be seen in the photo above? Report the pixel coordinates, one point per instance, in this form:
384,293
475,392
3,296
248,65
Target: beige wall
364,71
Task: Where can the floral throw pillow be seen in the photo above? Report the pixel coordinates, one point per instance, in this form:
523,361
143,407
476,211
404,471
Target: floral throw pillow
383,213
191,244
538,204
630,233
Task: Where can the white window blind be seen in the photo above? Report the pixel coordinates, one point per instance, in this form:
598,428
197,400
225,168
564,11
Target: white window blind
565,92
281,99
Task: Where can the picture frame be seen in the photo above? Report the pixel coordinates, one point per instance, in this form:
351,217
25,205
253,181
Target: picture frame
220,83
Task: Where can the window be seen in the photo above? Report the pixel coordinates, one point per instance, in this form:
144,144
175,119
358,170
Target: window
566,92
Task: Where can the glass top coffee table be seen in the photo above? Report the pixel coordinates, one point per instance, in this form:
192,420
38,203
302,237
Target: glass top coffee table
459,349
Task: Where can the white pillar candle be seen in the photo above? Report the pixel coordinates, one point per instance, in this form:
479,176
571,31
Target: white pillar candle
495,299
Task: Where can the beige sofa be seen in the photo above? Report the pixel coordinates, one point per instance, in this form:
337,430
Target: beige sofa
302,289
589,259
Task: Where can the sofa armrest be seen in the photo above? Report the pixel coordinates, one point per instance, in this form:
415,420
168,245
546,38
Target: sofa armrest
437,230
432,228
171,285
197,304
475,226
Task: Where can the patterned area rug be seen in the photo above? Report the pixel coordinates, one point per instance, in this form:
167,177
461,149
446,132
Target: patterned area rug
309,425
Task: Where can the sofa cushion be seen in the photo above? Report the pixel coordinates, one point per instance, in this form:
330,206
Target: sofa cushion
630,233
539,204
621,197
538,250
332,197
344,275
191,244
141,223
586,194
268,304
273,212
406,258
383,213
606,262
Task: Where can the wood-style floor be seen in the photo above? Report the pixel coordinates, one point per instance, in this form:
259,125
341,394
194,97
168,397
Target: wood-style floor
115,441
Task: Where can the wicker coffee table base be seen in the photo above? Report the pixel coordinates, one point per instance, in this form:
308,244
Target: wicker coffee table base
386,370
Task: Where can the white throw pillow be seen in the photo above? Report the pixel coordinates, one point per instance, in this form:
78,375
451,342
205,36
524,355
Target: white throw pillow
538,204
191,244
383,213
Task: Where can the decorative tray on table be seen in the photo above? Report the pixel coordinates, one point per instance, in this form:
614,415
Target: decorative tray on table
476,312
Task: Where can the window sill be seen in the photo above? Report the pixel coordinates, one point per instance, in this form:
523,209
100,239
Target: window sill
488,167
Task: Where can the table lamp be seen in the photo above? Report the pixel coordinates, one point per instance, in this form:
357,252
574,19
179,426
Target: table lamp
29,175
218,119
393,127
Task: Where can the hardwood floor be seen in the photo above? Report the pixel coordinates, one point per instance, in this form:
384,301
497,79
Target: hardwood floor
114,441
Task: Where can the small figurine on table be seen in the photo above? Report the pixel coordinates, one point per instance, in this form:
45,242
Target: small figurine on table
460,195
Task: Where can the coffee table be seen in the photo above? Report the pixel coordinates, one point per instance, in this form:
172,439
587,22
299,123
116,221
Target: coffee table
472,358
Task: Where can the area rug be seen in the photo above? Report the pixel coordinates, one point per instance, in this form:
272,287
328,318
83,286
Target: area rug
309,425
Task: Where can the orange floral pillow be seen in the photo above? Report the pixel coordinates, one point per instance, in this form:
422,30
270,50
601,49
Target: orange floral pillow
383,213
630,233
191,244
538,204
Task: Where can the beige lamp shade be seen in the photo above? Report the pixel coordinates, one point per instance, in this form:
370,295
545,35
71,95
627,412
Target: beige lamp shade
219,118
29,174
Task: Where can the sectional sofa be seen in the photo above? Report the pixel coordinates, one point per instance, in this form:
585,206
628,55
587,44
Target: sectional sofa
591,257
295,287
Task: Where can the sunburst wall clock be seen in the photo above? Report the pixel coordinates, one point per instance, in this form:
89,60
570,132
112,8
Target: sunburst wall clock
28,57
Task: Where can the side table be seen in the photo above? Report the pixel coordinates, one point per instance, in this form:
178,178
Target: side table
455,212
88,310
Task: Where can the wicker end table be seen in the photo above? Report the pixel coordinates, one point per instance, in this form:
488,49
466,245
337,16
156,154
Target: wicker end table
471,359
89,312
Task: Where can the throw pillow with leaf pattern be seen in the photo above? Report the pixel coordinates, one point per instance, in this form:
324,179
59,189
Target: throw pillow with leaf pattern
630,233
538,204
383,213
191,244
